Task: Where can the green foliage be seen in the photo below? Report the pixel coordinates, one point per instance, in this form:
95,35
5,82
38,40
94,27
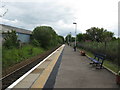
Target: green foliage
68,38
83,37
96,34
73,39
107,36
99,34
111,65
80,37
14,55
61,39
43,36
110,49
99,40
35,43
10,39
107,63
46,36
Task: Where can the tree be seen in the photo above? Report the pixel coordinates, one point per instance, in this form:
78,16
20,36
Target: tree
61,39
73,39
107,36
10,39
68,38
93,33
80,37
46,36
34,42
98,34
86,37
83,37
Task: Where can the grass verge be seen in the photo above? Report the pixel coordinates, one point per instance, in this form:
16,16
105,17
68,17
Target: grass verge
16,55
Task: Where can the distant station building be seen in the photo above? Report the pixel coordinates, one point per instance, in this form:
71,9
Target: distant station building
23,34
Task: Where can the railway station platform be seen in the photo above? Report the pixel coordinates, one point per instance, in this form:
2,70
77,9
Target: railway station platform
66,69
76,72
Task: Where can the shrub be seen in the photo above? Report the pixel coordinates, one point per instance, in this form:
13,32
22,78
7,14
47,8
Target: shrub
46,36
10,39
111,49
14,55
35,43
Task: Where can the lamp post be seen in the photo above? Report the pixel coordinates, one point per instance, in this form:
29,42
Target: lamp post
70,39
75,31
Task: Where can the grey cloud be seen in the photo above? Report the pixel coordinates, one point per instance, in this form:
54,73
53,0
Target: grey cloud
40,12
30,14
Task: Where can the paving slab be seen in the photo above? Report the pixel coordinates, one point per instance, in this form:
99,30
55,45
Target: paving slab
76,72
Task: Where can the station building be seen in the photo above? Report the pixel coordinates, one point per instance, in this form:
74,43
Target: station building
23,34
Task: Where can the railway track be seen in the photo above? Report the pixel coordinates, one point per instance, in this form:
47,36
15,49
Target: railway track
9,79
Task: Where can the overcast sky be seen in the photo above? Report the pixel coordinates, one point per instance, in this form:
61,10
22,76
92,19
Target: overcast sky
60,14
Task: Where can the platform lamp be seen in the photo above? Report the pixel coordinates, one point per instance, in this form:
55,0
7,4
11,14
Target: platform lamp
75,31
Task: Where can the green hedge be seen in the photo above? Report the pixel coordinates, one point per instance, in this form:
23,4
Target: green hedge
111,49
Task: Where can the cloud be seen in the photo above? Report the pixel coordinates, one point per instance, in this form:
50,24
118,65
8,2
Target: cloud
9,21
35,14
60,14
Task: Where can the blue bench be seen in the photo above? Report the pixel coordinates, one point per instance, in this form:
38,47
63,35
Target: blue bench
98,59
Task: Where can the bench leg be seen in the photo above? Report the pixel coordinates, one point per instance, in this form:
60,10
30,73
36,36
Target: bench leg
100,67
92,63
96,64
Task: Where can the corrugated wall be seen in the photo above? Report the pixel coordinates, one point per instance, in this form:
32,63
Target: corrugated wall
24,38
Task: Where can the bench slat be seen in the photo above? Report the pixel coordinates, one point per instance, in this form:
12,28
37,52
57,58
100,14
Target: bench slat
95,61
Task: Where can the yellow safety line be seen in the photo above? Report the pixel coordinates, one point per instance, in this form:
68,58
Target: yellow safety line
40,82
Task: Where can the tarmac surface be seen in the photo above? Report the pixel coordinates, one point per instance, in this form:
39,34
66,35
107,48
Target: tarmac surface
76,72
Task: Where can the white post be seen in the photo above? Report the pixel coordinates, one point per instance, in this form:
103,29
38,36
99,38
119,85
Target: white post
68,39
75,32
